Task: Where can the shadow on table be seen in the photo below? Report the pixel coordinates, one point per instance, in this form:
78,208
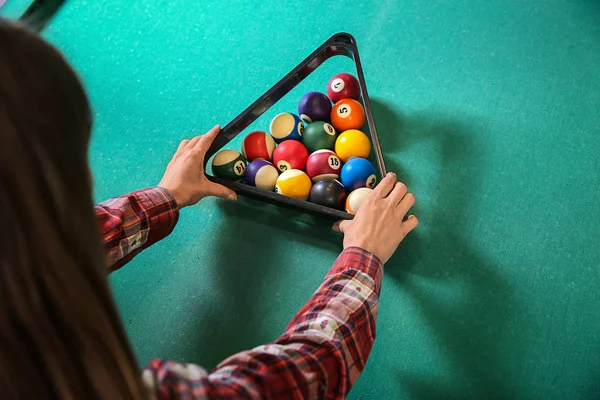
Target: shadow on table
240,272
247,270
309,229
472,330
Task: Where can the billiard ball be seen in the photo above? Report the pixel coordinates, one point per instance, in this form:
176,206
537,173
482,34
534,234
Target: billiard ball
290,154
355,199
358,172
347,114
229,164
286,126
319,135
329,193
314,106
323,164
258,145
294,183
352,143
343,86
262,174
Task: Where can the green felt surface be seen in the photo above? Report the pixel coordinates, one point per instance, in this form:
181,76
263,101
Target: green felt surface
489,110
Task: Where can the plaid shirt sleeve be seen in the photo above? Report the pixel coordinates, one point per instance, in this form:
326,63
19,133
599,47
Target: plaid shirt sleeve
320,355
135,221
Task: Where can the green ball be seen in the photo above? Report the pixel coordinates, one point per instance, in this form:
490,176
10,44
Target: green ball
229,164
319,136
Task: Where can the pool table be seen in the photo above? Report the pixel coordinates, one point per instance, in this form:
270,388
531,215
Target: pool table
488,110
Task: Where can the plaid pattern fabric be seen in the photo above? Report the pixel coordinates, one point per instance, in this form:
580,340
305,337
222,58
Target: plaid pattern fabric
319,356
135,221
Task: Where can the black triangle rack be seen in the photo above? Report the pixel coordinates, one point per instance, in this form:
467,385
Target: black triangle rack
340,44
39,13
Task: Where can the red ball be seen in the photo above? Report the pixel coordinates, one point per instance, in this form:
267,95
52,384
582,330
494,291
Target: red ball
290,154
343,86
323,164
258,145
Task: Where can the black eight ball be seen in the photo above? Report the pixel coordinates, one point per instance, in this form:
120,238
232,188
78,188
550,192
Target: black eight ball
329,193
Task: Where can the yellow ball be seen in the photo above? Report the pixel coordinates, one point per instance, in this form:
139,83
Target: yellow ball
294,183
352,143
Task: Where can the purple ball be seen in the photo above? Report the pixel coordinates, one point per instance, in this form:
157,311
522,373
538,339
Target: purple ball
262,174
314,106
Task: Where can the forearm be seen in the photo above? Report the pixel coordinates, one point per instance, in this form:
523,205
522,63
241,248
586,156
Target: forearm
325,347
135,221
337,325
320,355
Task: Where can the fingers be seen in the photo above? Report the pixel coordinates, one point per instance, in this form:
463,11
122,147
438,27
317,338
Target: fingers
397,193
206,140
212,134
407,202
201,142
341,226
193,142
183,145
217,190
411,223
385,186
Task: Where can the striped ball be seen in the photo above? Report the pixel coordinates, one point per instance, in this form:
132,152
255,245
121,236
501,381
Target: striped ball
294,183
286,126
262,174
355,199
258,145
229,164
323,164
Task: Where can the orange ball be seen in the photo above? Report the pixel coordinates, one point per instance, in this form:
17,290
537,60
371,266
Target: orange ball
347,114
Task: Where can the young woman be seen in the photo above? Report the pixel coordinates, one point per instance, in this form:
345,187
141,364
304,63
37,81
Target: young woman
60,334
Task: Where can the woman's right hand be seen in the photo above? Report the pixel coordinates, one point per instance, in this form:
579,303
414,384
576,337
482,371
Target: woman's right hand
381,223
185,178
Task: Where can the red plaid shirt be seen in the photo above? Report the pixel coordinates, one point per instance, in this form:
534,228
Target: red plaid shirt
321,353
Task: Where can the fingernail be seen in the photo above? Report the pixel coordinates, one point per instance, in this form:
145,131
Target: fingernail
231,196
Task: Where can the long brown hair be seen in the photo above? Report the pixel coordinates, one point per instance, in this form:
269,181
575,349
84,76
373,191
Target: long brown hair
60,334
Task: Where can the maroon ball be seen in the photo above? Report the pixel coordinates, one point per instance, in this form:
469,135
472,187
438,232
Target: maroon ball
323,164
343,86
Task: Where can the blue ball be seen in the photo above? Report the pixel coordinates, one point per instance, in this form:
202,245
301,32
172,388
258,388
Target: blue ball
357,173
286,126
314,106
262,174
